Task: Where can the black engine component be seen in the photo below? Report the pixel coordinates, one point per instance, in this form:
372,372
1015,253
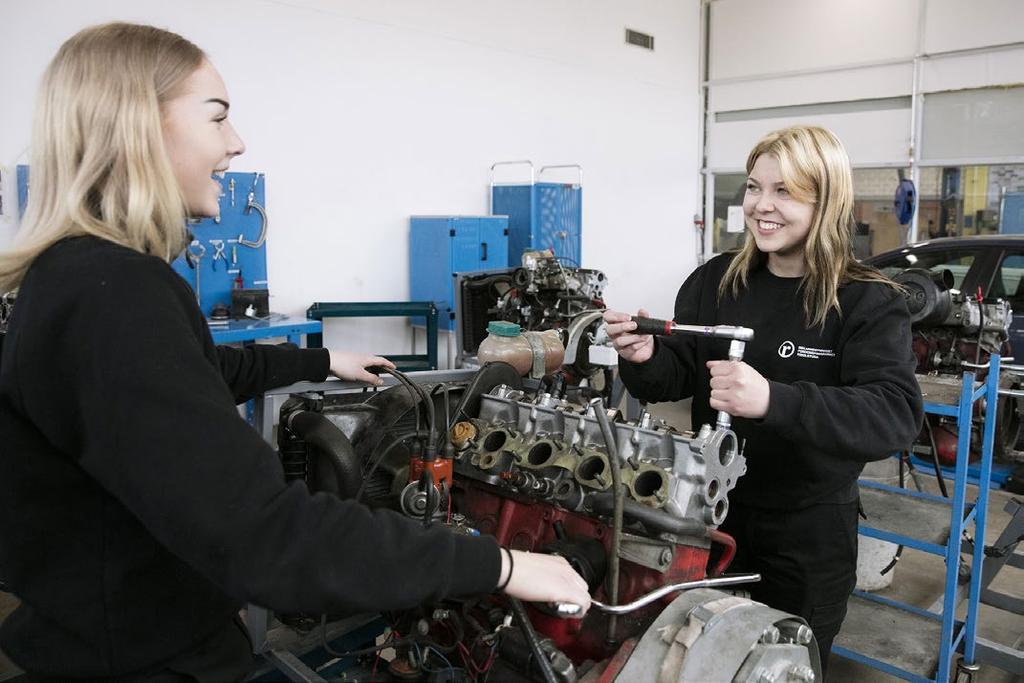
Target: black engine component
543,294
927,294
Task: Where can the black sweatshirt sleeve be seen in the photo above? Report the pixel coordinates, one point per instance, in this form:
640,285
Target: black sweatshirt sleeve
877,409
670,373
252,369
156,426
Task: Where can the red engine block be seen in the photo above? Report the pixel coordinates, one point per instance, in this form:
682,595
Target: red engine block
524,524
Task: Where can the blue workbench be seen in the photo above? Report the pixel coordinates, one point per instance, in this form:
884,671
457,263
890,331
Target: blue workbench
251,330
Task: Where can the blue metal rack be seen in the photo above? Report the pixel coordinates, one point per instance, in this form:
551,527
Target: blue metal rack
902,640
375,309
541,215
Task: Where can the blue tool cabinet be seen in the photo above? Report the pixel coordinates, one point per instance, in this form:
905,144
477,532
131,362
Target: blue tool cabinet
440,246
903,640
541,215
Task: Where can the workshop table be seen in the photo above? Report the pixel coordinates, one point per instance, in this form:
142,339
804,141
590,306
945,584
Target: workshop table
250,330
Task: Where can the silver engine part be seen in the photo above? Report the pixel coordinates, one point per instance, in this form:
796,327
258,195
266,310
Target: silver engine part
934,304
550,449
714,637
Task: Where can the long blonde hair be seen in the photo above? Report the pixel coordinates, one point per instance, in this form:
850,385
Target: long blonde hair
815,169
98,163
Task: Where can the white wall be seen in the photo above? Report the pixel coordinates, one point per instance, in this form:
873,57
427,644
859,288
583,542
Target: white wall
755,37
362,113
797,52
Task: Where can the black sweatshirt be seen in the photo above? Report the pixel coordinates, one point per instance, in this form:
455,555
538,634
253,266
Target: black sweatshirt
839,396
138,511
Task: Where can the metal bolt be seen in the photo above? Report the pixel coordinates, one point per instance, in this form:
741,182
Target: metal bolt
666,556
802,673
770,636
804,634
764,676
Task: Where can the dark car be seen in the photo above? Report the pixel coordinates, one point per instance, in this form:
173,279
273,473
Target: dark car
993,264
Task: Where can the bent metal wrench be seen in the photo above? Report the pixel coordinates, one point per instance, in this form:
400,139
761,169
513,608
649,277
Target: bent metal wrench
567,609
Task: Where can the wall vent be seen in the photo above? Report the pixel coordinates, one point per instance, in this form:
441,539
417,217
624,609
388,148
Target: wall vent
639,39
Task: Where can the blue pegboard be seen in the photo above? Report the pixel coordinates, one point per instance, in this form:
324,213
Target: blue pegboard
248,262
218,279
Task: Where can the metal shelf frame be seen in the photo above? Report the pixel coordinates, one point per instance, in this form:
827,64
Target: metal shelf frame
953,635
383,309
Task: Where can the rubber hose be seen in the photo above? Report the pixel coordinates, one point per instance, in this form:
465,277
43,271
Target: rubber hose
533,641
332,444
654,519
728,544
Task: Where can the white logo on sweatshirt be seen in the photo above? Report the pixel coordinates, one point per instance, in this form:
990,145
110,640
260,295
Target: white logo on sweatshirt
788,348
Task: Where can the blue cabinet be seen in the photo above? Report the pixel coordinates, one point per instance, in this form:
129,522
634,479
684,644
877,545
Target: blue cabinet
440,246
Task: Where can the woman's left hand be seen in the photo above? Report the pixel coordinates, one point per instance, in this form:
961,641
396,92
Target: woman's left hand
352,366
738,389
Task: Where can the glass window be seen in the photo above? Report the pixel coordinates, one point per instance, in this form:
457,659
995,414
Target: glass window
957,262
953,201
728,234
1007,282
971,200
877,228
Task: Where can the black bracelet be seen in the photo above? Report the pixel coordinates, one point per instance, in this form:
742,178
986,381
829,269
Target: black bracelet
511,565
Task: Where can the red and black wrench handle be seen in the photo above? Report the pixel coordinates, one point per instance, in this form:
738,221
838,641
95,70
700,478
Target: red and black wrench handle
664,327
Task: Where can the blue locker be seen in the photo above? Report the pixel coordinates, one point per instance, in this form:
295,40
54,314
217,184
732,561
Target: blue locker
1011,218
541,216
440,246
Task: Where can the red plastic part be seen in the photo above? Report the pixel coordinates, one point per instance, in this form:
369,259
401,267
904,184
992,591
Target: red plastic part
440,469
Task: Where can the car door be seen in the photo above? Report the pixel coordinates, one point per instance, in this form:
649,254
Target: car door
1007,282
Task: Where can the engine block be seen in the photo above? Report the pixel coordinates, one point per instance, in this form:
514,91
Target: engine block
534,470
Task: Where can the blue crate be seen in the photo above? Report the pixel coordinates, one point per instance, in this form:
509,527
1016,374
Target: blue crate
541,215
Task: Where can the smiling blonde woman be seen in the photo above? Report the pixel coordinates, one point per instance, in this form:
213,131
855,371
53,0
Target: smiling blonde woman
826,385
138,511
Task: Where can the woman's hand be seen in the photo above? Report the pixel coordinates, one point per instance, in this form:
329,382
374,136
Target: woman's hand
538,577
636,348
738,389
352,366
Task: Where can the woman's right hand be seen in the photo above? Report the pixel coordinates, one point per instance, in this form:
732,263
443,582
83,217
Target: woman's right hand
636,348
539,577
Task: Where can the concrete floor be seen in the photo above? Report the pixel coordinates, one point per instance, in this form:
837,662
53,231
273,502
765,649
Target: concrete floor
918,580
